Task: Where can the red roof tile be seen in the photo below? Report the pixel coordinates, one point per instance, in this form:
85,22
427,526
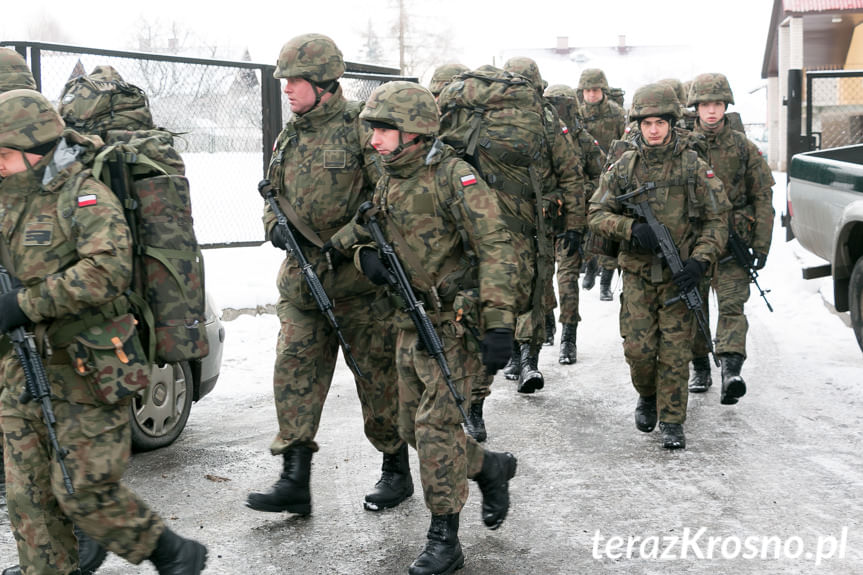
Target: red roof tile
804,6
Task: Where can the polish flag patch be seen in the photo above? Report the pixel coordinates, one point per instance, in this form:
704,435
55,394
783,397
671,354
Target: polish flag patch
468,180
565,130
710,173
88,200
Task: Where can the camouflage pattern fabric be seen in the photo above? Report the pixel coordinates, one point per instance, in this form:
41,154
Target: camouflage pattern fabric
325,169
14,73
314,57
414,194
103,101
443,75
74,273
657,338
748,182
28,120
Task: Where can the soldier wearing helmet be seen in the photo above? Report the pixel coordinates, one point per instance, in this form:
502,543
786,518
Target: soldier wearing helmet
690,202
446,228
70,245
748,183
443,75
323,169
14,73
606,121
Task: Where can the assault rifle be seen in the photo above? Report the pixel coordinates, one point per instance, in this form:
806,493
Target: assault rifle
668,251
742,254
36,381
266,189
398,279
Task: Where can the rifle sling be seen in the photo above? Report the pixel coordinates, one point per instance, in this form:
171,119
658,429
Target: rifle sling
298,224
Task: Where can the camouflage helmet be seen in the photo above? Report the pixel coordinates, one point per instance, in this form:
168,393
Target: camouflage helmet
443,75
654,100
406,106
14,73
28,120
592,78
677,85
560,91
106,73
527,68
314,57
710,88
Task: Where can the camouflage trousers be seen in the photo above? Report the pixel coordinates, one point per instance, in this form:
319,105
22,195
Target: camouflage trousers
731,283
42,513
306,355
430,421
568,269
657,342
606,262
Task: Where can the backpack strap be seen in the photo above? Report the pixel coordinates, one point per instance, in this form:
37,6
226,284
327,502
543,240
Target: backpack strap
690,162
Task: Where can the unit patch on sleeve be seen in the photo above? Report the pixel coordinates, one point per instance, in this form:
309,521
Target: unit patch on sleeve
88,200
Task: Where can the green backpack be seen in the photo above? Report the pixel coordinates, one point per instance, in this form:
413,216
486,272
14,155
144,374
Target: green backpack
147,174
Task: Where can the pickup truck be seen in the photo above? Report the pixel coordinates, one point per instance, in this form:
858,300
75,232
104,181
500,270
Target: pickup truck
825,212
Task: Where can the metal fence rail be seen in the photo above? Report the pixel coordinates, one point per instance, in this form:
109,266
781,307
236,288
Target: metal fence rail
834,107
227,114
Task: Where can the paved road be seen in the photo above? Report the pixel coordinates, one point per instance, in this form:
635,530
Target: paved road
772,485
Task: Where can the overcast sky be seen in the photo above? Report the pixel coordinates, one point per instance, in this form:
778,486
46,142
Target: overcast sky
727,36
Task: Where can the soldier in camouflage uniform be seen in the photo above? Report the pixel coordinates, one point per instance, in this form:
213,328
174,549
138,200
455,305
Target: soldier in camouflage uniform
443,75
592,160
689,201
563,194
324,169
446,227
749,185
605,120
66,240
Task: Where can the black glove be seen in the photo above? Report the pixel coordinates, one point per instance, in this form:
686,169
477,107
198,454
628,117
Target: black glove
11,315
279,237
373,267
690,275
330,252
759,259
571,242
496,349
644,236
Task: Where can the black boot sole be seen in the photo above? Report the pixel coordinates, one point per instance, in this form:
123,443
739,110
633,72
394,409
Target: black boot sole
735,389
297,508
531,384
381,505
457,565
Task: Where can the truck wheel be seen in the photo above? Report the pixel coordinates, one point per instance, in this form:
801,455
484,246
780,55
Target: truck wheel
160,412
855,301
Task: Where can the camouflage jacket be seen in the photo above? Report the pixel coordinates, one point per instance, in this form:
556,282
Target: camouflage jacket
688,200
605,120
591,156
324,169
562,174
748,183
450,218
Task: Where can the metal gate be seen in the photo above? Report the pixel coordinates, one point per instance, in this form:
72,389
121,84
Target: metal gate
834,108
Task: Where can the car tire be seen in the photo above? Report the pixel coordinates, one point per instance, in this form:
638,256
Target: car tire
160,412
855,301
91,555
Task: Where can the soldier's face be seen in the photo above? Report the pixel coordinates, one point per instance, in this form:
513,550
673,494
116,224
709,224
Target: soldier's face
654,130
592,95
711,112
386,140
301,94
12,161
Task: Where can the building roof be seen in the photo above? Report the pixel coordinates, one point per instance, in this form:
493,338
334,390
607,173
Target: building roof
816,6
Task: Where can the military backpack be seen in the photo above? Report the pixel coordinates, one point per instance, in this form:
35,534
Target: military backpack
140,164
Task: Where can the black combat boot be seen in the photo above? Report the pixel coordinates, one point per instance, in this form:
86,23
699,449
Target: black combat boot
672,435
498,468
645,413
550,328
590,271
512,370
531,378
477,424
175,555
700,380
395,484
442,553
291,491
605,285
568,349
733,386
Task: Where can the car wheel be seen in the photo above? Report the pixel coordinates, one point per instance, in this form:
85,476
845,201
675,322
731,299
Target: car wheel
160,412
855,301
91,555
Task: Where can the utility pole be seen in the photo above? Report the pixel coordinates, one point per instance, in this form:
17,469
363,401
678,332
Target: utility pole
402,37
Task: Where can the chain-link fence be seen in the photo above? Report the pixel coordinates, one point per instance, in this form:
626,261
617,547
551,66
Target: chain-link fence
227,115
834,107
